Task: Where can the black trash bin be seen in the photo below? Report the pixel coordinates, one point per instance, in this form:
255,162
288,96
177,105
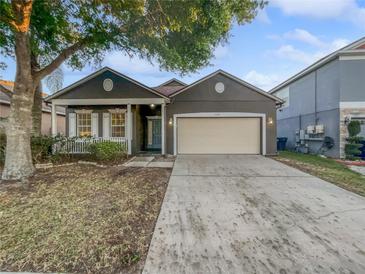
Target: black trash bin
281,143
362,149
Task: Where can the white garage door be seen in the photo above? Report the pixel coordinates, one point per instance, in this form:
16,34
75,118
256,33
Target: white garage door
218,135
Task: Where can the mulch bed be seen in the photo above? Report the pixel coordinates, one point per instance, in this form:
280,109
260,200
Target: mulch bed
351,163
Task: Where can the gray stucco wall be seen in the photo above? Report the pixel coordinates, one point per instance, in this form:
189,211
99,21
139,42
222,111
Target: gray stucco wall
122,88
313,99
352,80
236,98
329,118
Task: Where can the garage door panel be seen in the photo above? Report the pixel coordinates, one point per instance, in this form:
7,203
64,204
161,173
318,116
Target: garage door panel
218,135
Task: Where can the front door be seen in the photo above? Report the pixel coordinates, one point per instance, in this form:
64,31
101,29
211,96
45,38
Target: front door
154,132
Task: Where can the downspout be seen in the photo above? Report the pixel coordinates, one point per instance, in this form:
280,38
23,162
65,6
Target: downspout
315,98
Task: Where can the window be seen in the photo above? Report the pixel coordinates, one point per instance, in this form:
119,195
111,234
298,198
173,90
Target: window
118,124
284,95
84,124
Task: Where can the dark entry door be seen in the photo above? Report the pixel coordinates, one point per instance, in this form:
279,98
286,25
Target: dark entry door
154,133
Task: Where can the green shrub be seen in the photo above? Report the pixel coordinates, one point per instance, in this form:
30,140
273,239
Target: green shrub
107,151
352,148
354,128
41,147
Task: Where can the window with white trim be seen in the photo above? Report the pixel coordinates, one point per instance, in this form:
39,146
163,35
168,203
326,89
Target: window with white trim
284,95
84,124
117,124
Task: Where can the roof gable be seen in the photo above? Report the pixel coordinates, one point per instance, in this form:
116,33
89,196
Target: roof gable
233,78
92,87
169,87
356,47
172,82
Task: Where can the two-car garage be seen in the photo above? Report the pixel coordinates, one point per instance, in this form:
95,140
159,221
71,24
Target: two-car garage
218,135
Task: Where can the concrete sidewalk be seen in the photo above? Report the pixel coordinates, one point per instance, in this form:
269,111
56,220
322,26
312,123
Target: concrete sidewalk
251,214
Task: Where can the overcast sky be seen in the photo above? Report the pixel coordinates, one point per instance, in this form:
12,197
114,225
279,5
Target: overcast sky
284,38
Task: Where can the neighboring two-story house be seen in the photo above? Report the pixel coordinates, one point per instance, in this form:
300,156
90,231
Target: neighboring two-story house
321,100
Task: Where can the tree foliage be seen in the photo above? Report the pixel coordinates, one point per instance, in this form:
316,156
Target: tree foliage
352,148
179,35
354,128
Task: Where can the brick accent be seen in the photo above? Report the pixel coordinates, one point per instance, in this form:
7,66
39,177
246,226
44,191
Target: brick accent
347,112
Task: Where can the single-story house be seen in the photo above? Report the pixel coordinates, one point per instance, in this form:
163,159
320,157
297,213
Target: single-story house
218,114
321,99
6,91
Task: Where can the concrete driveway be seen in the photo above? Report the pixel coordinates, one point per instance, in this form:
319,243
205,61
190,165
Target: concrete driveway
251,214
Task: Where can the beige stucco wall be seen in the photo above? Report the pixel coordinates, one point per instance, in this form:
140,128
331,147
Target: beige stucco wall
46,120
347,112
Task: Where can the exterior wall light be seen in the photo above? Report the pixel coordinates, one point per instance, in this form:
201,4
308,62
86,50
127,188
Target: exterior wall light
347,120
152,106
170,121
270,121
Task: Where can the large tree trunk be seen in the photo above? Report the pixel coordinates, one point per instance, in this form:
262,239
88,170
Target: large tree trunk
37,111
18,160
37,103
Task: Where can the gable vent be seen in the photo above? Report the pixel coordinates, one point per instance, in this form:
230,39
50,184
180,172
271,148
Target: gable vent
108,84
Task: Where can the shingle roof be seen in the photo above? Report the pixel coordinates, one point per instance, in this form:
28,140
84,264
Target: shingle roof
9,85
167,90
169,87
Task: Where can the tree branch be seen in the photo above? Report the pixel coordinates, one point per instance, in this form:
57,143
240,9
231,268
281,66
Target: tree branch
66,53
23,11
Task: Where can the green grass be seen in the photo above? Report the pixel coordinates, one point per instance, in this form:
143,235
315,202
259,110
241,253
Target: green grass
326,169
80,219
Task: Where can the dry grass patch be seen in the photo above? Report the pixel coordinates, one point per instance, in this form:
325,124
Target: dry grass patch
80,219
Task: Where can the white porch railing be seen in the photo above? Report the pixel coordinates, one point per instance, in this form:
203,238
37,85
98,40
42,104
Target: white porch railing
80,145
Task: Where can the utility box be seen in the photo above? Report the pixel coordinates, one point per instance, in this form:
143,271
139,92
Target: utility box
301,134
319,129
310,129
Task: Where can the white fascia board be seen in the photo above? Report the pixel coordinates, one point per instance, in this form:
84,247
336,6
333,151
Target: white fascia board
355,104
109,101
352,57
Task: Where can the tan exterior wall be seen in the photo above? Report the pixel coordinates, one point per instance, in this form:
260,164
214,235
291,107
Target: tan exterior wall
4,110
46,120
347,112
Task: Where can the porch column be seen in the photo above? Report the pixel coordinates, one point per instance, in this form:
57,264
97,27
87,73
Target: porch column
129,128
163,125
54,119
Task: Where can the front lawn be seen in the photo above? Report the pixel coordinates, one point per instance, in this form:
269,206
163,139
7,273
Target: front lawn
80,219
326,169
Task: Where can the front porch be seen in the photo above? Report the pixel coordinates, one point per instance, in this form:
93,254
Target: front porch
137,124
